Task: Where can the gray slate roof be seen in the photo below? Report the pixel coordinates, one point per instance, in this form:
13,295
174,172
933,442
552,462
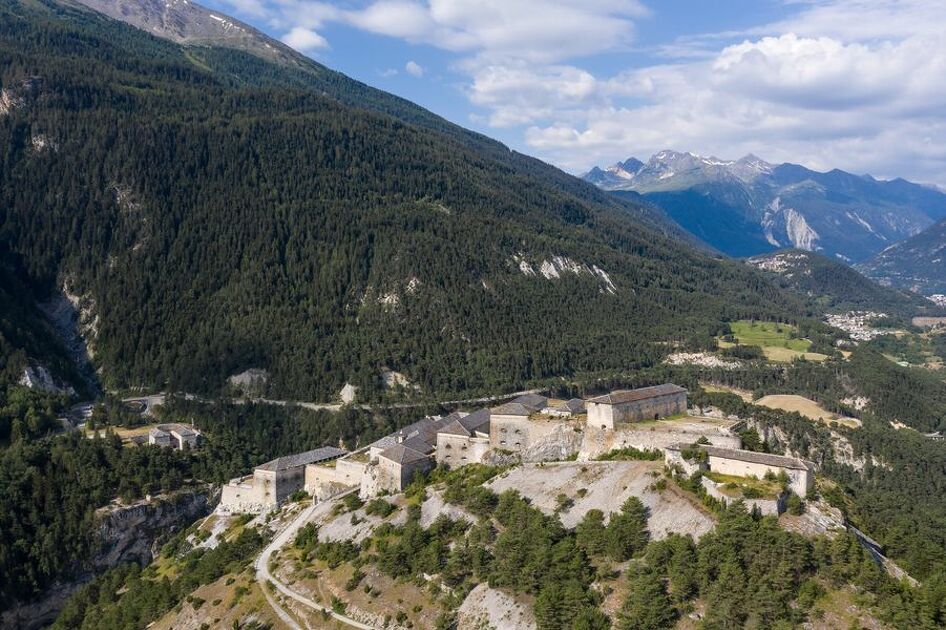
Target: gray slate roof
752,457
301,459
426,429
181,429
402,454
532,401
512,409
633,395
468,424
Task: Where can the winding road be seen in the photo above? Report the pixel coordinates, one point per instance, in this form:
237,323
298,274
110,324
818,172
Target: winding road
265,577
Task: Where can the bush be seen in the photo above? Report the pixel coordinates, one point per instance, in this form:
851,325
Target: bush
795,505
380,507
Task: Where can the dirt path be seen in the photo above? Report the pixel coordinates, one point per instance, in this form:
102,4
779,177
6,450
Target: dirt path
265,577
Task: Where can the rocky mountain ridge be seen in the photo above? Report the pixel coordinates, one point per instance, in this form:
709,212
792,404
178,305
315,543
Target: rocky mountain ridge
749,206
186,22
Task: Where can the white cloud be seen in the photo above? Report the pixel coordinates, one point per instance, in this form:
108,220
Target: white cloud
304,39
540,31
518,93
854,84
855,97
414,69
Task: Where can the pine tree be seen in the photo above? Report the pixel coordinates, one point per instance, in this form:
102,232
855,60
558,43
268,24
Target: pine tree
647,606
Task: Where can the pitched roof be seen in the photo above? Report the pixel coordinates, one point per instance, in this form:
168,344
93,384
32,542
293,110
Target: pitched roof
512,409
633,395
574,405
402,454
767,459
181,429
468,424
533,401
158,433
301,459
418,444
425,428
476,419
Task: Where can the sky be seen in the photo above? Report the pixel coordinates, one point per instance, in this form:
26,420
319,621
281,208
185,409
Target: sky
853,84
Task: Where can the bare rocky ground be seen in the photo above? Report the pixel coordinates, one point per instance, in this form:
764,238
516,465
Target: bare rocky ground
434,506
487,607
606,485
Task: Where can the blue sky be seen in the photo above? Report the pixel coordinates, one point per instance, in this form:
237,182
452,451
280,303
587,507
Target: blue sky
852,84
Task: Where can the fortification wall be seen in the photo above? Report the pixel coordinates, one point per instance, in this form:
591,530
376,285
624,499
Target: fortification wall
598,441
242,495
459,450
515,433
765,506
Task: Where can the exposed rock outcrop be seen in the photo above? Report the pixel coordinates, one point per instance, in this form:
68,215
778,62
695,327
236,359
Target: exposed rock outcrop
126,533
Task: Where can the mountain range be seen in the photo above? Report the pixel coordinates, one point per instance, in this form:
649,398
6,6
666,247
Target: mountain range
208,207
917,263
749,206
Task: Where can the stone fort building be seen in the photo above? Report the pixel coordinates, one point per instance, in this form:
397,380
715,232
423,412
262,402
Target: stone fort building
636,405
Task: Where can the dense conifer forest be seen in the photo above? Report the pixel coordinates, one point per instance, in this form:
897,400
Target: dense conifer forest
222,213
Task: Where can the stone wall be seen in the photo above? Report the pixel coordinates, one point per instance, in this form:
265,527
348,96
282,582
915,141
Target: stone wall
517,433
598,441
611,415
241,495
459,450
800,481
765,506
327,481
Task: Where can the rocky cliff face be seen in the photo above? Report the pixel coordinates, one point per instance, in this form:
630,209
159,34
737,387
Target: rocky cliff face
127,533
188,23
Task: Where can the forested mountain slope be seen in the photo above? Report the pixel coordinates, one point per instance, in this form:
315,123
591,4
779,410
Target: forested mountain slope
216,212
837,286
916,263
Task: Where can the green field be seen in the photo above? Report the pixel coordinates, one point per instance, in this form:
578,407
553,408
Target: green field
768,335
774,339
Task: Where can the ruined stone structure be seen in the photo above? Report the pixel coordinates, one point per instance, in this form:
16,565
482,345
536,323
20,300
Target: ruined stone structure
636,405
597,441
564,408
271,483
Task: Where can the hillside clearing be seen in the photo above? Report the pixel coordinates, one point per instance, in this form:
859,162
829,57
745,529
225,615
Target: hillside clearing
745,395
806,407
605,486
775,339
